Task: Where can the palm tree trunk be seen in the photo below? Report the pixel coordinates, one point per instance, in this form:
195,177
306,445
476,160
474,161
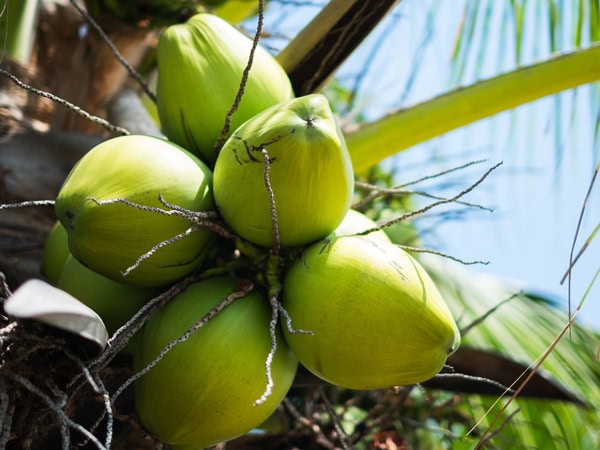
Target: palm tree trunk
67,48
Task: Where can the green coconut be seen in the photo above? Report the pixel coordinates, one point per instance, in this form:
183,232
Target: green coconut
200,68
114,302
110,238
205,389
377,318
355,223
56,252
310,174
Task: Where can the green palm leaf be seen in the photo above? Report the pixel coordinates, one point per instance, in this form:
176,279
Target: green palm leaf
370,143
557,23
520,325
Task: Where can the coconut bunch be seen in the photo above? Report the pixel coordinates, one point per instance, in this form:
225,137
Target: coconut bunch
137,213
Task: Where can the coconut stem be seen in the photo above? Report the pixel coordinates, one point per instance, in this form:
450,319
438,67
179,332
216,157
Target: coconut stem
273,278
269,362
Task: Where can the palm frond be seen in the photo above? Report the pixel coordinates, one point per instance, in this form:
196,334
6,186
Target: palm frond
558,26
371,143
534,424
527,31
521,326
594,20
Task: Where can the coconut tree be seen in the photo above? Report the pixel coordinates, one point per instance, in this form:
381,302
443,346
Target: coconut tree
85,75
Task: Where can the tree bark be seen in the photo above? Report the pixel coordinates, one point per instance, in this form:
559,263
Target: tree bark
74,63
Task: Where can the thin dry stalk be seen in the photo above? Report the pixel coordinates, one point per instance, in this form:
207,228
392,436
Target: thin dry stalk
65,422
378,191
60,101
320,436
273,272
345,440
420,211
572,259
532,369
245,75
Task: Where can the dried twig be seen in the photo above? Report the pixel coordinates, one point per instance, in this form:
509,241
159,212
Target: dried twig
273,272
64,420
465,377
199,219
98,387
420,211
409,248
274,303
344,438
378,191
464,330
27,204
122,336
488,437
573,260
272,206
245,75
288,322
528,373
95,119
320,436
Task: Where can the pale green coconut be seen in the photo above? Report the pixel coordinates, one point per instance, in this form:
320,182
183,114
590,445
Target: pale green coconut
55,254
109,238
310,174
377,318
200,68
205,389
114,302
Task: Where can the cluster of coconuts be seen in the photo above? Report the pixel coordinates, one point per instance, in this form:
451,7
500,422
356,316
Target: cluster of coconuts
283,178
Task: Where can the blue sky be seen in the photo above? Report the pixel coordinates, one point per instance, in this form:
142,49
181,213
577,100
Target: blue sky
547,147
